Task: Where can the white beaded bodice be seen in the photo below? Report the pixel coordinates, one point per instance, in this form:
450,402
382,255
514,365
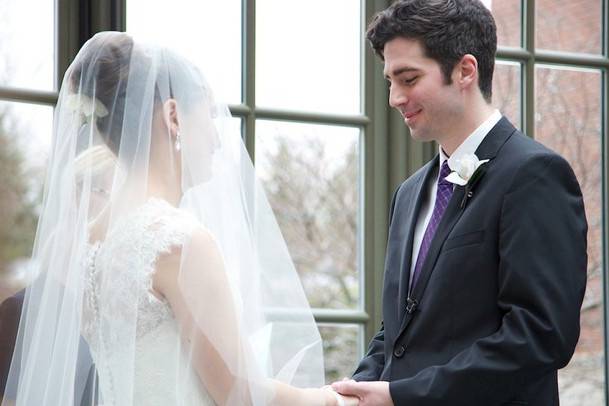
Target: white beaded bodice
132,334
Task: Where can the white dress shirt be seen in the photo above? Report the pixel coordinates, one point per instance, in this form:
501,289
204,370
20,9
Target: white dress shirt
468,146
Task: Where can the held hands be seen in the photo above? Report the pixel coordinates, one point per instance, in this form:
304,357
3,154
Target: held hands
325,396
368,393
333,398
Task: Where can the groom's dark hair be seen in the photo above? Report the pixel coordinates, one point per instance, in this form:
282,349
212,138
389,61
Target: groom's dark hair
447,30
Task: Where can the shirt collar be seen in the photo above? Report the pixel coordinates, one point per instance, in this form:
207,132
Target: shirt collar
472,142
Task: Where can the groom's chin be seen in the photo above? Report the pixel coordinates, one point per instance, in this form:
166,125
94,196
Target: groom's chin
420,136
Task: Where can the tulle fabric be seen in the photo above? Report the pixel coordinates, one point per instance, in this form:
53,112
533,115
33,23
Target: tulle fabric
249,320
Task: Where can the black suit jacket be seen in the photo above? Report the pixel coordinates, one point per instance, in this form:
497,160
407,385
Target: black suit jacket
495,311
85,391
10,312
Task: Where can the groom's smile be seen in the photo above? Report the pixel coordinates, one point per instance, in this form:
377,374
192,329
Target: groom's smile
409,117
418,90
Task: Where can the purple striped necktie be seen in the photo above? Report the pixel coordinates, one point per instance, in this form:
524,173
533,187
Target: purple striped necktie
443,194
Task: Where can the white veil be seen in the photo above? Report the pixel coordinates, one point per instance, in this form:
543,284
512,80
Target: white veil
248,316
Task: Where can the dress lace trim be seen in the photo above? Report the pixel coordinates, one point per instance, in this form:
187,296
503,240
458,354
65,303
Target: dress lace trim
118,274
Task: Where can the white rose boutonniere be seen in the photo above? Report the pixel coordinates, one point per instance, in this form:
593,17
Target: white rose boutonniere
469,170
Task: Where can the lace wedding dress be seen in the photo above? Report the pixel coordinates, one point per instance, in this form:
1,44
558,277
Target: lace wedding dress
118,273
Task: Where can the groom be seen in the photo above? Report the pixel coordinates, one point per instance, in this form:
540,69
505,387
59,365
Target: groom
485,273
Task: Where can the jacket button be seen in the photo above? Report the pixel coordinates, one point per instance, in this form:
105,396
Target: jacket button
399,352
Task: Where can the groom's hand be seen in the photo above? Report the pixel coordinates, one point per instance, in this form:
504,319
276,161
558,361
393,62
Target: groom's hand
369,393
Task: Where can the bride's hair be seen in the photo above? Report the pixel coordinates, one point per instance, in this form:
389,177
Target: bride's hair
109,66
101,72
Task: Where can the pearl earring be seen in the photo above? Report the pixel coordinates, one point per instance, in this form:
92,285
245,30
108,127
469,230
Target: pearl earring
178,143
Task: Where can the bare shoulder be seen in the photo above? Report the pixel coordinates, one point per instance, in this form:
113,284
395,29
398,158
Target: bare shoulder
200,251
202,239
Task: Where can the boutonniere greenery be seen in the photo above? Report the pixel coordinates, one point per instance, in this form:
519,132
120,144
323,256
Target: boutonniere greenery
468,172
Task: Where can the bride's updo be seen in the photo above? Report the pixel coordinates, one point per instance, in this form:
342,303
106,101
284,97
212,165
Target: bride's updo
101,72
112,75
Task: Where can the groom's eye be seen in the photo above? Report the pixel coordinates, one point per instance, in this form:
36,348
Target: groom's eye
410,81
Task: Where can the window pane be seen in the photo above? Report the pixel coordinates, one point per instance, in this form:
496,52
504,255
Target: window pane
27,44
25,138
568,120
308,55
507,90
341,349
569,25
237,122
310,173
208,33
508,18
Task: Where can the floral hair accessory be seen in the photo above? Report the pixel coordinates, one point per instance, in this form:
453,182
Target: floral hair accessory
85,105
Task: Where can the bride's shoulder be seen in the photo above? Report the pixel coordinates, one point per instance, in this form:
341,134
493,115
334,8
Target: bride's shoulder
154,229
199,242
198,256
155,218
202,238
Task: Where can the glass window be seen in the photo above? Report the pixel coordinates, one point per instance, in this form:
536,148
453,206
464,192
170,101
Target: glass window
238,123
207,33
341,344
568,120
25,140
569,25
311,176
308,55
27,43
508,17
506,90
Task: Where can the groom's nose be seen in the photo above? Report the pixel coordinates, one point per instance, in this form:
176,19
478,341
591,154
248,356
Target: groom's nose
397,97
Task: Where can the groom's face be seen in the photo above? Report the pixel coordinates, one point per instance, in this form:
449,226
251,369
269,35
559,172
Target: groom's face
429,106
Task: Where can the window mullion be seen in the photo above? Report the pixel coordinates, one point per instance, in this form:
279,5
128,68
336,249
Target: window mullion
28,96
605,193
69,16
248,82
375,179
528,92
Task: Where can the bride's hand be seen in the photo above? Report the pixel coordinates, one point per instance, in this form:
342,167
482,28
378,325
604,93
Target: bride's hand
335,399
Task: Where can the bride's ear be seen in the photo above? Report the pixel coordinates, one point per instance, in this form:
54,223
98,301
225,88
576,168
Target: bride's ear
170,117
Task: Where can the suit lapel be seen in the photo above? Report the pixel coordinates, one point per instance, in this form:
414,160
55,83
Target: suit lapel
419,194
488,149
492,143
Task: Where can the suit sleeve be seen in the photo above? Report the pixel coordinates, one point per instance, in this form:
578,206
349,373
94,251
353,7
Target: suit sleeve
10,313
542,278
371,366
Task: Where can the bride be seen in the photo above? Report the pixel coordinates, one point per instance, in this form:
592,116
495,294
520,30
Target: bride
162,277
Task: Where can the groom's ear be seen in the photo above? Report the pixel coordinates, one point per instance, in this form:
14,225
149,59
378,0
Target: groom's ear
170,116
466,72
